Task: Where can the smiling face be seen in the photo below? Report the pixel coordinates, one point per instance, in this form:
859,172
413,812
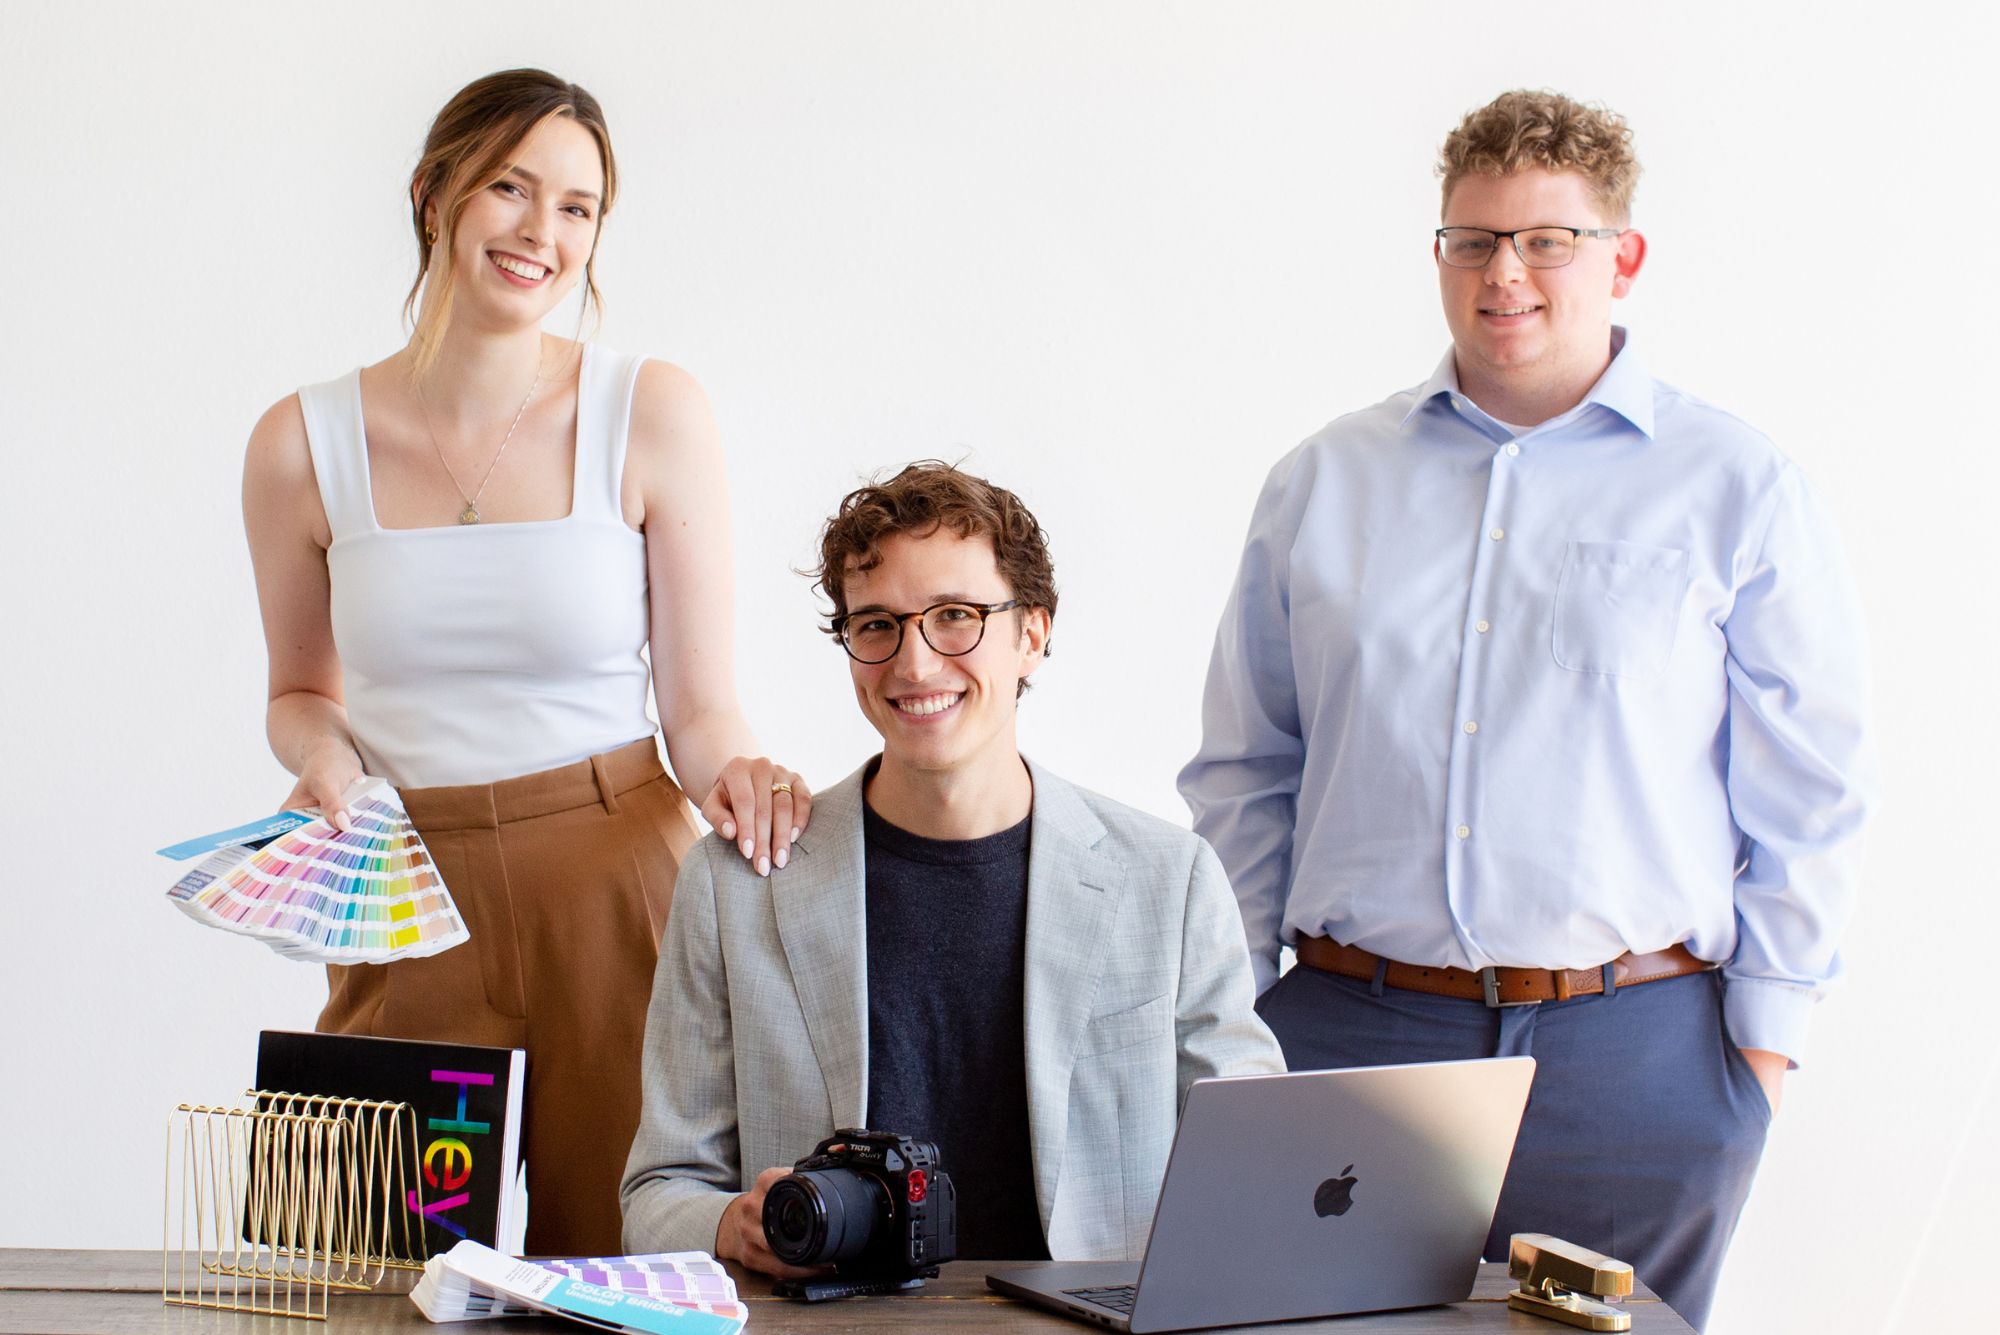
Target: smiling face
1529,343
522,243
944,717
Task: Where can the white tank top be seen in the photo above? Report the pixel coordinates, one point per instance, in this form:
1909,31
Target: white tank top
479,652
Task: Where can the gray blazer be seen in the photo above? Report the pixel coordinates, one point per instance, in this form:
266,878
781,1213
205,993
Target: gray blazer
1138,983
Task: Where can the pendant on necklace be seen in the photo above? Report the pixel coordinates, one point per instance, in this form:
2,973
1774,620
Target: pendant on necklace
469,515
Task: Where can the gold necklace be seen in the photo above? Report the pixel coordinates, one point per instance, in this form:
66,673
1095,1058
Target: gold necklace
470,514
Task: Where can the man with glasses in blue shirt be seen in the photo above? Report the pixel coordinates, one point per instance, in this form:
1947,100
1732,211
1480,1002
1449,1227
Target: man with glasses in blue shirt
1536,723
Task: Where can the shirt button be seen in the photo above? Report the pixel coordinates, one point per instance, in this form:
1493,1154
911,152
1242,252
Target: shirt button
1513,448
1471,727
1497,534
1464,831
1482,626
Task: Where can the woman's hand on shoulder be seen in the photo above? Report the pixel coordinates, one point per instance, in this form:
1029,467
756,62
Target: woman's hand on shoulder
676,466
760,805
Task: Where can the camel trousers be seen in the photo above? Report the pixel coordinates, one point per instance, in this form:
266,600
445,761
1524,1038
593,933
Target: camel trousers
564,879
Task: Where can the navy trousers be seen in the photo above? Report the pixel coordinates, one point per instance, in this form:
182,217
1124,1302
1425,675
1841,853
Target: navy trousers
1644,1124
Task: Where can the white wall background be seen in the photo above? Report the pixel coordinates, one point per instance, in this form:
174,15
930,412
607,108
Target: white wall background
1121,255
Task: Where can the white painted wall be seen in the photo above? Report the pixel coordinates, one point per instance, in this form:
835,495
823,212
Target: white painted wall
1122,256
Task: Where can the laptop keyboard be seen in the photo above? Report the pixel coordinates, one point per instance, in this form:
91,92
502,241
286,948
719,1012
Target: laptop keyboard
1117,1297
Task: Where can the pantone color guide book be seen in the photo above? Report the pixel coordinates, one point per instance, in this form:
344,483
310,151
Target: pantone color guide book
309,891
467,1102
471,1282
692,1279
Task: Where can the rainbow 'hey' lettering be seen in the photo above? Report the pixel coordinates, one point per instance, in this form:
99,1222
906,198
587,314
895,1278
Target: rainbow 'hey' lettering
447,1159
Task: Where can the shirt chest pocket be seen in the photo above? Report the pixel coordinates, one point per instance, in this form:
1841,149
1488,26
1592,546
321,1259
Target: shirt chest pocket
1618,605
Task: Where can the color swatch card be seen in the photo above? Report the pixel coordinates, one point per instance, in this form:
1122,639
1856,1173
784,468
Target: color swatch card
679,1292
692,1279
309,891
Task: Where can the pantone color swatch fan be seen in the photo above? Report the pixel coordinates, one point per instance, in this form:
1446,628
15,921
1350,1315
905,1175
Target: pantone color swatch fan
366,895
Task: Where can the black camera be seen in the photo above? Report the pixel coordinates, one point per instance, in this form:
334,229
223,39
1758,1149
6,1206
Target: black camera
874,1205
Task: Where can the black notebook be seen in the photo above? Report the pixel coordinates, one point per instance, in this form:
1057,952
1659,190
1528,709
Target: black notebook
468,1117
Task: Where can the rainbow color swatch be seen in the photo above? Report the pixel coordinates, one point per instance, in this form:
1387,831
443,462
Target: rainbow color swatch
365,895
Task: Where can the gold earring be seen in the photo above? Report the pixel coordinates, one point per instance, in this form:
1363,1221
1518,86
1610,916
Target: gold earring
430,236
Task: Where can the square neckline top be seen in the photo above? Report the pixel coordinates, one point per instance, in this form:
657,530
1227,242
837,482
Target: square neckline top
581,432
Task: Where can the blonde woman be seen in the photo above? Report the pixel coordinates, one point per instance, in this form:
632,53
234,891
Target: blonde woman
463,552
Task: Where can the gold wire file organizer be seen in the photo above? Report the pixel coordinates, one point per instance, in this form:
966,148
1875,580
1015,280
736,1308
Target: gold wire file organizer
270,1208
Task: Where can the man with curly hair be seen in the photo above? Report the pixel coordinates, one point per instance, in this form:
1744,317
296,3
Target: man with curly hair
1536,724
966,949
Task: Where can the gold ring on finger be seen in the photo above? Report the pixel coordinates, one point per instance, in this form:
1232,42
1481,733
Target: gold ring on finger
781,788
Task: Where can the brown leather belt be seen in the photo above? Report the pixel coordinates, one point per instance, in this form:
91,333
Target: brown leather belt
1497,986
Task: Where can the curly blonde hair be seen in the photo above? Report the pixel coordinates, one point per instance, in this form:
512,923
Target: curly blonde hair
1526,128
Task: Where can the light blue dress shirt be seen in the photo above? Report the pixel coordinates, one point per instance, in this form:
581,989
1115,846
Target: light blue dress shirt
1481,698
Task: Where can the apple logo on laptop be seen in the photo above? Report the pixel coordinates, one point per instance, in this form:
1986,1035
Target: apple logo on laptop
1336,1194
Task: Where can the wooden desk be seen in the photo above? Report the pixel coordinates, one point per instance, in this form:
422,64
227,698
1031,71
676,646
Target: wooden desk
118,1293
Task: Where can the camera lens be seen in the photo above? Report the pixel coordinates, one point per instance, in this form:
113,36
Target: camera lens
823,1216
795,1220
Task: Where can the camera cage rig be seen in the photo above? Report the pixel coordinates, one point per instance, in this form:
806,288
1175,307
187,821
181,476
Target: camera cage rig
835,1153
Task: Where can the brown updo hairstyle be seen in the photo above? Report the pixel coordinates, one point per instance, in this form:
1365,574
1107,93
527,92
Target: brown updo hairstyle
470,146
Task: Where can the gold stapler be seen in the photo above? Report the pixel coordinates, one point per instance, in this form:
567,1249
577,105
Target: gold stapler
1567,1283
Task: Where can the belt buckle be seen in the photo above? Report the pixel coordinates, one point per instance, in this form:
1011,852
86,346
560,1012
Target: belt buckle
1489,988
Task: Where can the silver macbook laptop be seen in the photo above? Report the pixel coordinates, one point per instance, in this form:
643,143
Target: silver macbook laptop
1317,1193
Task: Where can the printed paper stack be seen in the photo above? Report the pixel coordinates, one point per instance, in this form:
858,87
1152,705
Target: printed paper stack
365,895
687,1293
